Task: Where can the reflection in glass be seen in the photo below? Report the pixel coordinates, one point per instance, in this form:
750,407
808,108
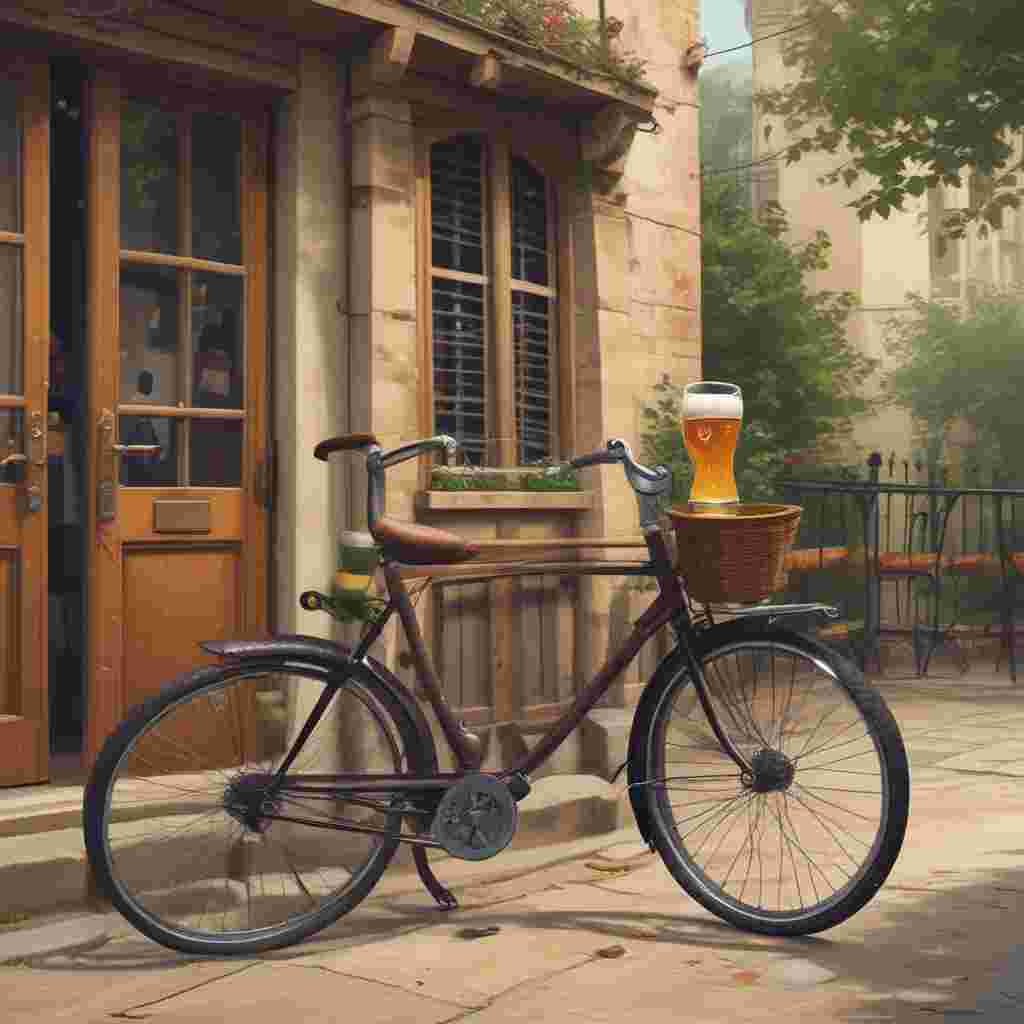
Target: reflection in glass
12,440
149,178
10,601
459,364
10,157
150,363
218,351
529,224
216,187
531,332
10,320
456,205
156,470
215,453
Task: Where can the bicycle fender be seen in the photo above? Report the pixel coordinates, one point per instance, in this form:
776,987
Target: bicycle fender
329,655
646,707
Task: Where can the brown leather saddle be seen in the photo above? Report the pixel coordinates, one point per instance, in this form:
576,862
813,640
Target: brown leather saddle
410,543
416,544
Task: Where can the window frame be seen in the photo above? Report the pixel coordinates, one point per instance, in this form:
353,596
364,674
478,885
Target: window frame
501,143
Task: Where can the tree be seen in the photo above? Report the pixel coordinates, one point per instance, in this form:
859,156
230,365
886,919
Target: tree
766,331
948,367
726,120
914,92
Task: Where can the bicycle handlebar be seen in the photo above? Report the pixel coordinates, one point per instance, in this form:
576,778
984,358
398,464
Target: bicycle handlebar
648,484
644,480
408,451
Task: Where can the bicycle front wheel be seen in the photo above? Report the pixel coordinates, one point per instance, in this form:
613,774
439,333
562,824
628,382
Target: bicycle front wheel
185,836
805,837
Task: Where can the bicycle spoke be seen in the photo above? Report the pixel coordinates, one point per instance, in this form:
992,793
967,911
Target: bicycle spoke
207,851
799,832
821,821
836,746
831,803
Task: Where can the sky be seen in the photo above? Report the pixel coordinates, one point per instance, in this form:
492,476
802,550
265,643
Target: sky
722,25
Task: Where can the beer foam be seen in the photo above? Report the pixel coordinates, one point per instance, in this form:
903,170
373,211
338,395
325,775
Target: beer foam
718,406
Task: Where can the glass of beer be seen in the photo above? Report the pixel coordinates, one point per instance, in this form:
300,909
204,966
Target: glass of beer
712,413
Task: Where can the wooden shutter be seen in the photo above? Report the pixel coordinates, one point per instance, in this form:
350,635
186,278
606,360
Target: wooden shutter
533,312
458,286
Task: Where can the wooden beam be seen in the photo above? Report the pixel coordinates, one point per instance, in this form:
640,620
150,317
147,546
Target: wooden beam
388,58
486,73
540,68
178,48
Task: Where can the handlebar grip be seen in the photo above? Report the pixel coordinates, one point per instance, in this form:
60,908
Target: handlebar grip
595,459
344,442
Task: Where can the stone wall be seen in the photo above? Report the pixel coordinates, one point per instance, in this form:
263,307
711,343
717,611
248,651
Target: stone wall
346,318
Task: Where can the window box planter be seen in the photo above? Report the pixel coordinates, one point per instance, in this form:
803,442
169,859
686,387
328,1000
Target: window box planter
515,478
503,488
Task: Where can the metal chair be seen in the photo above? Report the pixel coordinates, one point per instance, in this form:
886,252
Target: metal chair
914,563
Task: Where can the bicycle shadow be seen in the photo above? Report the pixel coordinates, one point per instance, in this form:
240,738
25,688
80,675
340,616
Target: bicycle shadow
392,918
938,947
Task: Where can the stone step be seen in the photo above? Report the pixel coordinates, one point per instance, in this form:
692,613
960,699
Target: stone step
42,856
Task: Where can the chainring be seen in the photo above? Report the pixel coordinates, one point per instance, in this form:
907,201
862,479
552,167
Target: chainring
476,817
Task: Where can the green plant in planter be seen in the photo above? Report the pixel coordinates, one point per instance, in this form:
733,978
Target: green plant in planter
564,480
558,27
485,481
474,480
442,479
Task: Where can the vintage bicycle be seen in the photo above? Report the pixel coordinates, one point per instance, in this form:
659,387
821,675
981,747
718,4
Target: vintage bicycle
255,801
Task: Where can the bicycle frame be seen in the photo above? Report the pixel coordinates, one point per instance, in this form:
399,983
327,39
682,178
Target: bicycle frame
669,607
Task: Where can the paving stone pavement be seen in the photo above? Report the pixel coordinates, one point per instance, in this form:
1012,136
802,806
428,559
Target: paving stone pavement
604,933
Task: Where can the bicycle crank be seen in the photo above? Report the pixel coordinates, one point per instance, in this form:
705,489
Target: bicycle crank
476,818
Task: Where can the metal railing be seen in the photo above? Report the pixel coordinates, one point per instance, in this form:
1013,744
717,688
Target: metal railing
932,540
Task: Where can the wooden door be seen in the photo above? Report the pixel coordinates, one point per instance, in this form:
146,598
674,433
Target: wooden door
177,336
24,362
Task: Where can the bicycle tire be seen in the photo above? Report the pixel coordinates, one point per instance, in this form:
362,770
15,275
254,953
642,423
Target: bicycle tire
128,864
753,653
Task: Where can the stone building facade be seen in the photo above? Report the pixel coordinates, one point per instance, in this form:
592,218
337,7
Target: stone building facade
231,219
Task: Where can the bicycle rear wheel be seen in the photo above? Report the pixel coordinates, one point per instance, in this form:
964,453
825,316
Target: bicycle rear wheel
805,838
173,812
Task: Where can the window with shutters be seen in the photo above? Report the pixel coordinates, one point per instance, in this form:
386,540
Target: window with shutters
493,301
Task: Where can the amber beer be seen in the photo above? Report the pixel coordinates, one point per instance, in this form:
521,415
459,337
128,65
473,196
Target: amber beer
712,414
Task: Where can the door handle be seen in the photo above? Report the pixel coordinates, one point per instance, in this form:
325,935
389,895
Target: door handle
15,457
137,449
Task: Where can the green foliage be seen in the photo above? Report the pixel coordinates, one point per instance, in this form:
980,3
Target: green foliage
483,479
764,330
947,367
913,93
442,480
149,153
565,480
555,26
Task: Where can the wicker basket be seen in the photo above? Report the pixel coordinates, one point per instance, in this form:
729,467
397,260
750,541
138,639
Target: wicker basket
734,555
